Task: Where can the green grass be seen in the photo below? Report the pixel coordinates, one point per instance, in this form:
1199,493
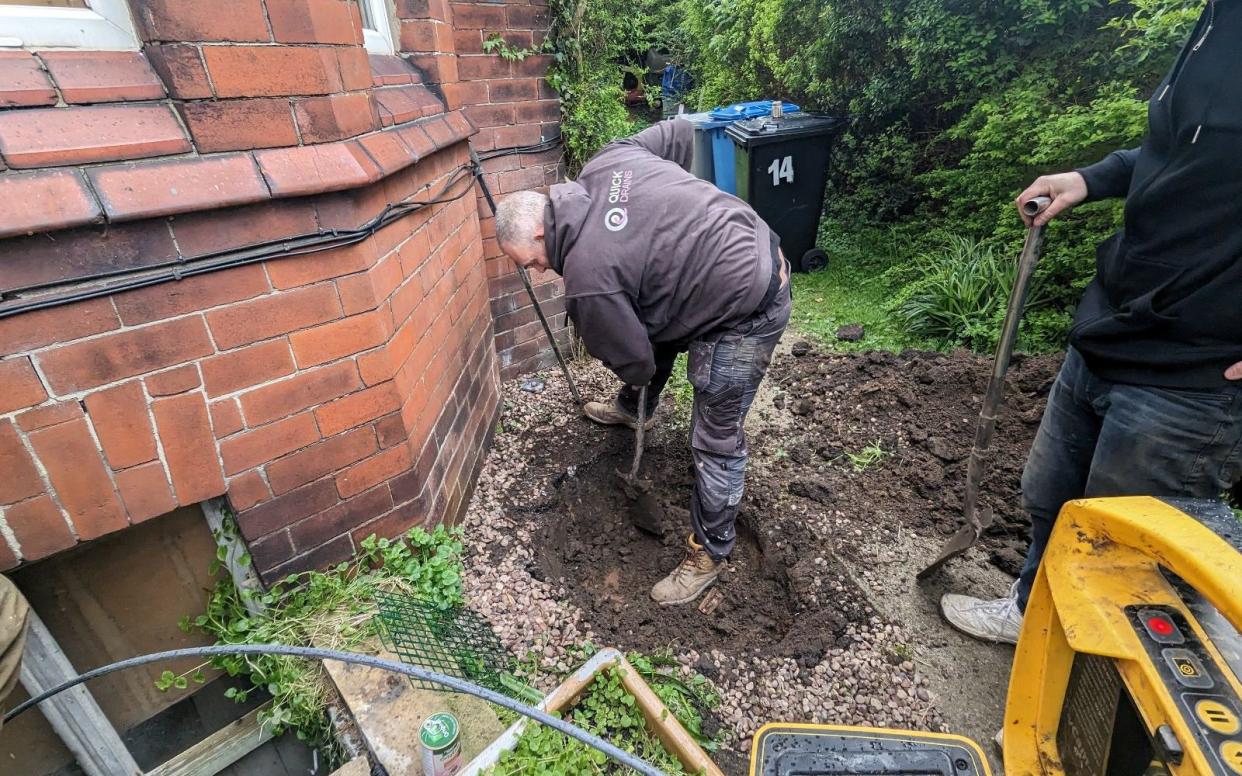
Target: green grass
851,291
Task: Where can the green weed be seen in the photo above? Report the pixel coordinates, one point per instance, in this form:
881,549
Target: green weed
681,390
867,457
333,609
608,710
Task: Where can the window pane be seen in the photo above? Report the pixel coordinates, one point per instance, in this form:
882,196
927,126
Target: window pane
368,19
47,3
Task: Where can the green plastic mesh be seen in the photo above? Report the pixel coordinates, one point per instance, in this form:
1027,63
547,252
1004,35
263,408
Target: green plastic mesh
456,642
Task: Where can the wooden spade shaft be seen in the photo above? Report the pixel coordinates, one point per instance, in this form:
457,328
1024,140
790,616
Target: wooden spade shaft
976,466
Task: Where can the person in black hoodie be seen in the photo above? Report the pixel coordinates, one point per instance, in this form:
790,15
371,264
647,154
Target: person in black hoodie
1148,400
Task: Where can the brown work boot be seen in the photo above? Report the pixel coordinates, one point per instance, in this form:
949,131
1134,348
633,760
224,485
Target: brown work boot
611,414
691,577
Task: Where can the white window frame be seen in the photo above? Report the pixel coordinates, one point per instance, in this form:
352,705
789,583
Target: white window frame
105,24
378,40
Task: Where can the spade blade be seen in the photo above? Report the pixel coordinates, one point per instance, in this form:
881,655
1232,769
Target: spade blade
646,512
961,541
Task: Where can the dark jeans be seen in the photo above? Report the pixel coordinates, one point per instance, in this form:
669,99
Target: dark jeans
725,369
1099,438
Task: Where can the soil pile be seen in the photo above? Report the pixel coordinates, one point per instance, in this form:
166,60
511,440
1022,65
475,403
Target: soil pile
890,434
855,459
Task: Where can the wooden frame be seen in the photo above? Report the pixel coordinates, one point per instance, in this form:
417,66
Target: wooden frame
104,24
74,714
660,720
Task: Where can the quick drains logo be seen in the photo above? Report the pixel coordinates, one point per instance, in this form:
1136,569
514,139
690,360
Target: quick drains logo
618,194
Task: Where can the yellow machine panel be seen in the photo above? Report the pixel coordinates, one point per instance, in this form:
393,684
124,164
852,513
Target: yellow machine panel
1128,662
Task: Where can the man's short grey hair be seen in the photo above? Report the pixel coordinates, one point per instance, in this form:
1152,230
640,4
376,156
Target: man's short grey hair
518,216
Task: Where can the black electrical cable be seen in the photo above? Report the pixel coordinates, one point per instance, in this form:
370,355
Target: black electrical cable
300,245
537,148
313,653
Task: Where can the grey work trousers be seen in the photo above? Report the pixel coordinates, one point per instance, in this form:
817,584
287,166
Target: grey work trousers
725,368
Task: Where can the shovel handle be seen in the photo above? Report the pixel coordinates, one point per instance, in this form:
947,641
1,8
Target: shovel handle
1036,205
1000,366
638,434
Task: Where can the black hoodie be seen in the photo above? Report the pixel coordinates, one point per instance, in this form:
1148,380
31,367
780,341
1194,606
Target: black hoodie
1165,307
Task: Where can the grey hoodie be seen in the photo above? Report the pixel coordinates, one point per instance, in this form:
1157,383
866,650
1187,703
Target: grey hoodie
650,253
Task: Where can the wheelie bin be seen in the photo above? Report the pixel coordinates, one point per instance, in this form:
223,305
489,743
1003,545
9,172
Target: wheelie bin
781,166
722,149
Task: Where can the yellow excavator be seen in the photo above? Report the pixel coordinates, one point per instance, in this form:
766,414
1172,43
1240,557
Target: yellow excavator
1128,662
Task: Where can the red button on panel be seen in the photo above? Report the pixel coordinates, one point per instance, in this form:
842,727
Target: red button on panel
1160,627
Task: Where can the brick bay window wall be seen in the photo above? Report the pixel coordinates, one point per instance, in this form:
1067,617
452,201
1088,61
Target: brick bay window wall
242,256
512,105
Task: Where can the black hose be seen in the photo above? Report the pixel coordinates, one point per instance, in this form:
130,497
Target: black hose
416,672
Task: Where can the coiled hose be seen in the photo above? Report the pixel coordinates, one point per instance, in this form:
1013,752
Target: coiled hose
416,672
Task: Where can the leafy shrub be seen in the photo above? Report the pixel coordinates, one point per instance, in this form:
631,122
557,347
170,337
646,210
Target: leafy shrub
953,108
958,293
332,609
590,41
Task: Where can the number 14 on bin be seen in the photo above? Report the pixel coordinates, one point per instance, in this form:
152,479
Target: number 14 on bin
781,169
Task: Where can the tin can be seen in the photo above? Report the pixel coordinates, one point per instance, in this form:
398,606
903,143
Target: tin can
440,745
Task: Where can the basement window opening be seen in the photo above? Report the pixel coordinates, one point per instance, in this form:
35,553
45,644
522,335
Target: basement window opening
119,596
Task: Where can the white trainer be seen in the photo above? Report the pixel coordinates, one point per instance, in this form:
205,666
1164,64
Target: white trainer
998,620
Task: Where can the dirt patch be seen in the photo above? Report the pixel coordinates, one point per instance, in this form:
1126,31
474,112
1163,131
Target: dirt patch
609,567
890,434
857,474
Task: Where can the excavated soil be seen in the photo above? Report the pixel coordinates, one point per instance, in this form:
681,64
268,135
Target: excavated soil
858,466
920,409
588,539
820,409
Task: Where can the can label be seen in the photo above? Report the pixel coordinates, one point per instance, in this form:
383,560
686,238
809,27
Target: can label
440,745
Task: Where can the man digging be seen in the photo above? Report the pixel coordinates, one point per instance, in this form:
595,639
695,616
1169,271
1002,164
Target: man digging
657,262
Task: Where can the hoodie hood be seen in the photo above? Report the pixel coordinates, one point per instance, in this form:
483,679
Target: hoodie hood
568,204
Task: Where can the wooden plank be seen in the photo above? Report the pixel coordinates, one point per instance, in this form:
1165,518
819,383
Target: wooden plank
74,714
220,749
243,573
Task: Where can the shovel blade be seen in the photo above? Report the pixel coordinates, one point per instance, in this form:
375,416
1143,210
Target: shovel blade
961,541
646,513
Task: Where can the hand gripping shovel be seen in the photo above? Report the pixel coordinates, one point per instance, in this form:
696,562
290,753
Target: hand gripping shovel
978,520
645,509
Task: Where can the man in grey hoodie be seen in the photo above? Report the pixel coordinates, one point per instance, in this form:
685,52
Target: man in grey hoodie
657,262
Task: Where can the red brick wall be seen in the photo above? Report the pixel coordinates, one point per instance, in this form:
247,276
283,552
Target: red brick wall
328,395
512,105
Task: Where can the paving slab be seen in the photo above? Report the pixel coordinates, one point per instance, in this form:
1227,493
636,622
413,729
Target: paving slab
389,711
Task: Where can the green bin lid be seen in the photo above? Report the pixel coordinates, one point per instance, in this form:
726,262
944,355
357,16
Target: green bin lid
765,130
438,731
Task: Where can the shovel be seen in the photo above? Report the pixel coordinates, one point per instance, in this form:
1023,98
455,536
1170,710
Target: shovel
978,520
646,513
